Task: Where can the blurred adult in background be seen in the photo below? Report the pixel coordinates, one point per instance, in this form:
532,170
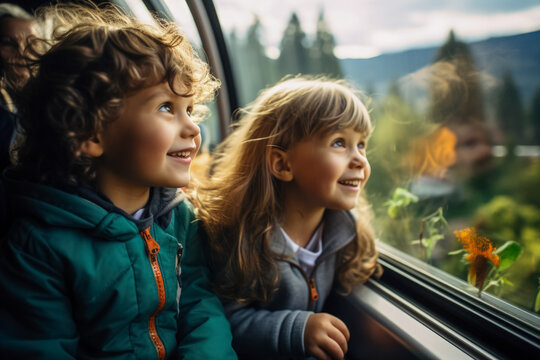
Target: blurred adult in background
16,25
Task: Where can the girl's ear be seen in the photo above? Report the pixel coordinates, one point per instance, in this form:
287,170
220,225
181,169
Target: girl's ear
93,147
278,164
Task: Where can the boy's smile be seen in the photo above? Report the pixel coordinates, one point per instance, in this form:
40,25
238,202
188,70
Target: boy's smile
151,144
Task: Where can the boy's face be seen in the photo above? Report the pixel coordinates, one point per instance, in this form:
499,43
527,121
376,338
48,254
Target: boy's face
329,170
152,143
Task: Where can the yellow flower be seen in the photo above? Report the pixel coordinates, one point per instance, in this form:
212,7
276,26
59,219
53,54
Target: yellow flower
480,250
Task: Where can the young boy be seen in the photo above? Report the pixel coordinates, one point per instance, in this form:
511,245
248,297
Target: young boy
102,258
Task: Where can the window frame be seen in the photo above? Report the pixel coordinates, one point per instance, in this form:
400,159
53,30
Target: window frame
479,326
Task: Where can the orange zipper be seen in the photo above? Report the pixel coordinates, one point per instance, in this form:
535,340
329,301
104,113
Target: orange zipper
313,290
153,250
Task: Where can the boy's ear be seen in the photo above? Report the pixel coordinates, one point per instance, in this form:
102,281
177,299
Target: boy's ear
93,147
278,164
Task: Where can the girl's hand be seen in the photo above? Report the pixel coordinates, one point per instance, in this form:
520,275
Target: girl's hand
326,337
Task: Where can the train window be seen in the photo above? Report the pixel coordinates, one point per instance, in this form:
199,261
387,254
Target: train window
455,100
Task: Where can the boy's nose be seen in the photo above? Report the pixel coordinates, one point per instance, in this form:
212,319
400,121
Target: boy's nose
190,129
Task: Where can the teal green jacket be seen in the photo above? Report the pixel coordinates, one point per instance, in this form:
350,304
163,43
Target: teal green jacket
81,281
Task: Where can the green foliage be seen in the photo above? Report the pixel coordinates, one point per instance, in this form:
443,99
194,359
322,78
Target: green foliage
431,231
505,218
508,254
537,301
519,178
401,198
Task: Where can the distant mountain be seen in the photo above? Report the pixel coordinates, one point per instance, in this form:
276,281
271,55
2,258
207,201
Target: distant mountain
519,54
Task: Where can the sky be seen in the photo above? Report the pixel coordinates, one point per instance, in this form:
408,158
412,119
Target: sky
367,28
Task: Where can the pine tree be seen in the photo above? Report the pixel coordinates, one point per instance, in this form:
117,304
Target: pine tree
234,51
509,110
456,95
535,117
293,58
323,59
257,69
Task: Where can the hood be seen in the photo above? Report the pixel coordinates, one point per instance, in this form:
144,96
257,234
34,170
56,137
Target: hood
84,209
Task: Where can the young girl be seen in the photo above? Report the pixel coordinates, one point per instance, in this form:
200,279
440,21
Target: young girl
90,266
276,210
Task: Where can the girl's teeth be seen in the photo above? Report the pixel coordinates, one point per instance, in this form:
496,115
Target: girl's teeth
350,182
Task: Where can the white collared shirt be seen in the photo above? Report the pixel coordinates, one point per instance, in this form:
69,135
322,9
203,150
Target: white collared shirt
138,214
308,255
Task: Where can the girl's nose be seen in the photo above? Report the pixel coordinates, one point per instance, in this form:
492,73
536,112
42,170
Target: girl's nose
359,159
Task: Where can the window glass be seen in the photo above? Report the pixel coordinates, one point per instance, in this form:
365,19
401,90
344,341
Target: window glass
455,100
137,9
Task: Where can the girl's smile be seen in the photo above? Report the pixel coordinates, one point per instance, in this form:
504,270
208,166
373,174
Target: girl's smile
351,184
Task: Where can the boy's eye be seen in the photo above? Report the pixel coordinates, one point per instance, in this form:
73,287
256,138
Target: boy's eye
338,143
165,108
361,145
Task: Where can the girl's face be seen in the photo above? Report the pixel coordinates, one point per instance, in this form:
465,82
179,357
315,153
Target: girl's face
153,141
329,170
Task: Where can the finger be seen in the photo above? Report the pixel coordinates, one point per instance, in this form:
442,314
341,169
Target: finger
319,354
338,337
332,348
342,327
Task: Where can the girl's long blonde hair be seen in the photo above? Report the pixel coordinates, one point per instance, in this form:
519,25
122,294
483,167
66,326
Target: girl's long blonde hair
241,201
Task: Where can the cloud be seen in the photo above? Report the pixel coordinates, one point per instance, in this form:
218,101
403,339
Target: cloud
355,51
428,28
369,27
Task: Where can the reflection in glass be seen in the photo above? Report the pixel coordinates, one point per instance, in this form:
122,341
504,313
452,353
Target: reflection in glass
455,92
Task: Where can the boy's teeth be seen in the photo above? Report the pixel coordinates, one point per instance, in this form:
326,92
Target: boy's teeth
350,182
181,154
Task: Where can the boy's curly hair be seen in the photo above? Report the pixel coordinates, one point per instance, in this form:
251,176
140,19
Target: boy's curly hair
97,57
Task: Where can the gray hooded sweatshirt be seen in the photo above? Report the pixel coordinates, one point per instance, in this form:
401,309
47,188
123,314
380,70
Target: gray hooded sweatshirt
275,330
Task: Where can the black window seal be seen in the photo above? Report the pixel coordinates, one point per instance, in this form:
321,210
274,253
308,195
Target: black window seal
490,323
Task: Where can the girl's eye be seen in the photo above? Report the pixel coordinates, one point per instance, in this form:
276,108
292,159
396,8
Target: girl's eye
189,111
338,143
165,108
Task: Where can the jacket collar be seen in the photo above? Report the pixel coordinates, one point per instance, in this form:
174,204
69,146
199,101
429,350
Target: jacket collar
339,230
85,209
